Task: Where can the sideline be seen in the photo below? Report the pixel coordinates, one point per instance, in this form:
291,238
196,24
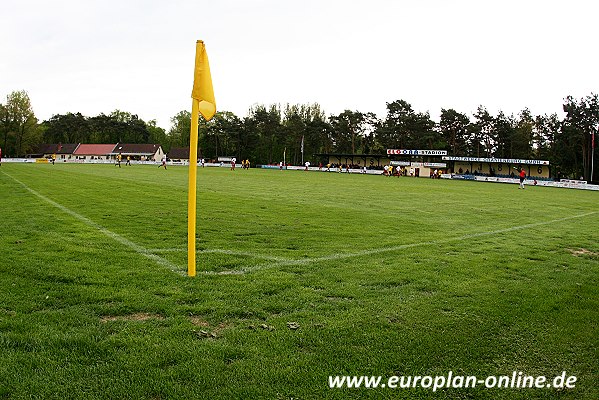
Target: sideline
340,256
221,251
126,242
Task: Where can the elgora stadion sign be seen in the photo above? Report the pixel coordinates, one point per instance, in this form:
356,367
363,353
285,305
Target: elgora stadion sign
405,152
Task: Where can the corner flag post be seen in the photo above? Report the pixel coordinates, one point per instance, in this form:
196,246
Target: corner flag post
202,102
191,196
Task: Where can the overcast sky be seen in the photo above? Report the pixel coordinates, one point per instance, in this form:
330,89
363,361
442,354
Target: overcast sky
137,56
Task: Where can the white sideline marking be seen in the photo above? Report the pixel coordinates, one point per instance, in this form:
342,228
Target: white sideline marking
167,250
340,256
137,248
221,251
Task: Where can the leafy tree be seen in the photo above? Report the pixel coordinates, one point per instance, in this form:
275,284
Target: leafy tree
425,136
19,124
483,141
523,135
318,131
504,129
347,131
224,135
128,128
121,116
117,127
178,134
4,128
545,131
265,123
67,128
157,135
103,129
403,128
294,131
370,123
582,119
545,141
454,130
136,131
395,130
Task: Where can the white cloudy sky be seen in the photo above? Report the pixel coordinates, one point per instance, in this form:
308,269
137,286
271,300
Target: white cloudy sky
137,56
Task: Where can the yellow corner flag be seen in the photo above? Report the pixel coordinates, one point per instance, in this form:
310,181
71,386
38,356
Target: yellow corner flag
203,102
202,83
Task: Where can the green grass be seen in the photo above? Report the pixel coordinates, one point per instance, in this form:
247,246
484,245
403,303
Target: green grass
384,276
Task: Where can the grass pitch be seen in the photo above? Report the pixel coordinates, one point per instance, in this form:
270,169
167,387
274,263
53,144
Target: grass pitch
300,276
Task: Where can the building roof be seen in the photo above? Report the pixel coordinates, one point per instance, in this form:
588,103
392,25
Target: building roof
179,153
60,148
67,148
94,149
136,149
46,148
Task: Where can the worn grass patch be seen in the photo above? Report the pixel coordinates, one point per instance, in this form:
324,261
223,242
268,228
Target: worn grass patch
132,317
583,252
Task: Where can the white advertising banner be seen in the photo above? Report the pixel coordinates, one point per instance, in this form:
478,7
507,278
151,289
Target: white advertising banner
496,160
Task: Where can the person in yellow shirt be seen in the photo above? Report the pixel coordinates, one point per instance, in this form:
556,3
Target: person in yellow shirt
128,161
118,160
53,158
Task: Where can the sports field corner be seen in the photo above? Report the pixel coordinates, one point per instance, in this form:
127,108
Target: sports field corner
302,277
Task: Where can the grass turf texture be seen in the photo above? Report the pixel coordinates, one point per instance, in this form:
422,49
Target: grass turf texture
384,276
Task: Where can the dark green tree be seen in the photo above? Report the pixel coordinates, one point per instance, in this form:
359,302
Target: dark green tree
157,135
582,119
403,128
546,133
265,123
5,130
318,131
483,140
294,126
348,129
224,136
453,127
105,129
396,130
504,130
522,139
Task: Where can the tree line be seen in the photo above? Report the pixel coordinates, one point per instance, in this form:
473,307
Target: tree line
269,131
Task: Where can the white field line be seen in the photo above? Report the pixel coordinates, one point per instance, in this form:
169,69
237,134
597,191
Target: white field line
126,242
340,256
221,251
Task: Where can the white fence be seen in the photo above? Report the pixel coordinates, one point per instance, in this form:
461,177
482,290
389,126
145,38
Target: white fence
564,183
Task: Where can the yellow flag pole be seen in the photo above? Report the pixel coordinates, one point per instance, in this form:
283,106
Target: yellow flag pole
191,197
203,103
